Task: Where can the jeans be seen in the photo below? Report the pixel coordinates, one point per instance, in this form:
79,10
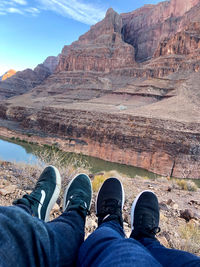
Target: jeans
26,241
107,246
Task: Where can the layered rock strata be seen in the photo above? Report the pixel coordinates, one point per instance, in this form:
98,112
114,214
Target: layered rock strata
102,102
100,49
25,80
147,27
7,75
183,43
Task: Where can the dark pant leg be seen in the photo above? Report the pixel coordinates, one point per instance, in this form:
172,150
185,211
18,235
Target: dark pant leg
170,257
107,246
28,241
24,207
67,235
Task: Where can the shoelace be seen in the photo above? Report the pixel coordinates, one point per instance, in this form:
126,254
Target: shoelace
149,223
154,230
76,200
110,206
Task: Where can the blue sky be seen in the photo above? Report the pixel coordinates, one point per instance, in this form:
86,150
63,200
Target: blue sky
31,30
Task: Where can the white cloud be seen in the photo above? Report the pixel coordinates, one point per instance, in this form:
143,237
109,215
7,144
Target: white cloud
17,6
14,10
32,10
86,13
20,2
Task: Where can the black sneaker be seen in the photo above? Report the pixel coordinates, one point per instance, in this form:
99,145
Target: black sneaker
44,195
145,216
78,195
110,201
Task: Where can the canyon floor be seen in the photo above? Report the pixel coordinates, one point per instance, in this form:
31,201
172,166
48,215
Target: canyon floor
179,209
126,91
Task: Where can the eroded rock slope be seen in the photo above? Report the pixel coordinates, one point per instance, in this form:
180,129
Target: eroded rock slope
127,91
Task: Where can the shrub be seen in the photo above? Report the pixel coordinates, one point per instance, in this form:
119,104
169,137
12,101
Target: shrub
99,179
186,185
190,235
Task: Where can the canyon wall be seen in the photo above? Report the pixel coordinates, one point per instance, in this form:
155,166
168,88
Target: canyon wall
100,49
126,139
147,27
184,42
127,91
24,81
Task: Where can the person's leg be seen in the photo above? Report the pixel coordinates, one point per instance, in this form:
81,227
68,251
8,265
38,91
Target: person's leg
67,231
107,246
170,257
29,241
41,200
145,222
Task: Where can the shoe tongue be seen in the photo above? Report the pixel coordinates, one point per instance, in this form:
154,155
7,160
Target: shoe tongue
23,201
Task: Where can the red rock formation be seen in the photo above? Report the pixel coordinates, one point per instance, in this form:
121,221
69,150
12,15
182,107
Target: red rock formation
25,80
147,27
114,108
51,63
178,8
182,43
100,49
7,75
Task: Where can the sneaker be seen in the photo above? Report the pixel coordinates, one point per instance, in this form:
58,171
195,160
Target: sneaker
78,195
110,201
145,216
44,195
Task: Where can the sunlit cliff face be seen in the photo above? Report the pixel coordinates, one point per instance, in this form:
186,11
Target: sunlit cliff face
179,7
8,74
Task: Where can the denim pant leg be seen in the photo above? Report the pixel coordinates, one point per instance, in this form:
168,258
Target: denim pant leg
107,246
170,257
28,241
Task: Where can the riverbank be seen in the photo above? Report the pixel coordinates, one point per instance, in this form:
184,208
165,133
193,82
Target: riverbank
35,150
179,209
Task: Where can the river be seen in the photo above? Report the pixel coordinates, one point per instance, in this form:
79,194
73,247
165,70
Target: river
18,151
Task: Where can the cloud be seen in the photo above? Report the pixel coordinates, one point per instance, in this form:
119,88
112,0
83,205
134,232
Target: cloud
18,7
20,2
32,10
14,10
85,13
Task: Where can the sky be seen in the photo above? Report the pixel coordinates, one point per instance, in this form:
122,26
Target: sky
32,30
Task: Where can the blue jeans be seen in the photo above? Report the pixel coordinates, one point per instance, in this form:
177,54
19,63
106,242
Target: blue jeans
26,241
107,246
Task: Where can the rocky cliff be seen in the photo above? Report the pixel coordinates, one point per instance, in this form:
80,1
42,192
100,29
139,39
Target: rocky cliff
8,74
185,42
147,27
100,49
107,100
25,80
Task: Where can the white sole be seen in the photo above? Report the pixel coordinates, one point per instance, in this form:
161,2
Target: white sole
67,188
123,195
55,193
134,205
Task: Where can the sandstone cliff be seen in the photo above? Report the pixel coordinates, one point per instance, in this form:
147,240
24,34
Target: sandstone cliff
184,42
147,27
100,49
8,74
107,100
25,80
